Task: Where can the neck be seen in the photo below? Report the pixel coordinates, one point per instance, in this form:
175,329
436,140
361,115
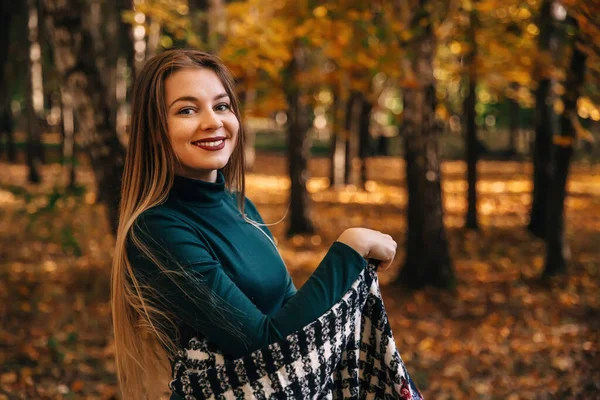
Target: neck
206,176
198,191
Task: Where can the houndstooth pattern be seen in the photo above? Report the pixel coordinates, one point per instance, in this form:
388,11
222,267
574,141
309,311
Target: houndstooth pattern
348,353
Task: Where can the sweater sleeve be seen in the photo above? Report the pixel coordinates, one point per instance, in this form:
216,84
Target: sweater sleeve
290,290
206,299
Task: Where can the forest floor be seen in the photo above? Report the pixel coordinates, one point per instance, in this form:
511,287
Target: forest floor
501,334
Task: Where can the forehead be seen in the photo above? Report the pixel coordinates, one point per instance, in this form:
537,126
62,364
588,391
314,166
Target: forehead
197,82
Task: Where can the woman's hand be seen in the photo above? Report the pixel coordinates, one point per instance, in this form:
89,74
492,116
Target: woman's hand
370,244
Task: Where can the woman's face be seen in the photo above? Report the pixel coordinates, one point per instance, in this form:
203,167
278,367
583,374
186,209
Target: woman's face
202,127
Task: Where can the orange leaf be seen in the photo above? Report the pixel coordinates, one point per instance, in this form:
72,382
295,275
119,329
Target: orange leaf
77,386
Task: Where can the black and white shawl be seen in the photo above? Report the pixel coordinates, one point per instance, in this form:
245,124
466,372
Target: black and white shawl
348,353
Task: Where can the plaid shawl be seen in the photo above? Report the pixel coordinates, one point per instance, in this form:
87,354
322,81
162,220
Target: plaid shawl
348,353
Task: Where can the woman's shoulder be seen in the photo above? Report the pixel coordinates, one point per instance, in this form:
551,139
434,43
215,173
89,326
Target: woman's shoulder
162,228
158,217
249,207
251,210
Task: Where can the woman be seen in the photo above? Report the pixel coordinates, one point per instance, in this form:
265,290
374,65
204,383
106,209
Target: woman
193,257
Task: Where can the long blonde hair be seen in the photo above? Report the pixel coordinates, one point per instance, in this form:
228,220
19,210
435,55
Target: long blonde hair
142,344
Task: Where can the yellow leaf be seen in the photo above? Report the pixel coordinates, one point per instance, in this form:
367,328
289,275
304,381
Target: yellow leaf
301,30
442,112
406,35
426,344
398,26
320,12
353,15
367,15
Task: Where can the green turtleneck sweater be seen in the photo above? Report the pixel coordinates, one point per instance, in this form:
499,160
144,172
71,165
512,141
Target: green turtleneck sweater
235,289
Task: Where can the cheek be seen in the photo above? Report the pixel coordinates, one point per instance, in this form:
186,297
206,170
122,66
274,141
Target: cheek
235,130
236,125
176,133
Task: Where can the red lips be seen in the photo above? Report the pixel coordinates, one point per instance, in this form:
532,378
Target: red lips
211,139
210,144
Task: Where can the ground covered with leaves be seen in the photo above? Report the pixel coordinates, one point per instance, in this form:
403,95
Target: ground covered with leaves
501,334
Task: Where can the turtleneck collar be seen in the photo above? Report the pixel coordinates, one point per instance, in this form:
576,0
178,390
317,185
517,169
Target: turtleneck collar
199,192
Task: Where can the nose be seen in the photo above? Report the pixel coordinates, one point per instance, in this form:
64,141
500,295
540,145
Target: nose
210,121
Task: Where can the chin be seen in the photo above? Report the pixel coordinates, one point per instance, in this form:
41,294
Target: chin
208,167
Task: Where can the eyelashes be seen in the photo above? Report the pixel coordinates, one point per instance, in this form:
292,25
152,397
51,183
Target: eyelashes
185,111
224,106
190,110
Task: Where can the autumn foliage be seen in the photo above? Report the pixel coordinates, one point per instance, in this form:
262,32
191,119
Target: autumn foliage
500,334
413,75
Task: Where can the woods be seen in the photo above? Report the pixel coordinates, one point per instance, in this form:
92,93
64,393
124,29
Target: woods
467,128
75,61
427,259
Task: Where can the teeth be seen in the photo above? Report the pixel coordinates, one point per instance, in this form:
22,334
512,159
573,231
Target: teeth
210,144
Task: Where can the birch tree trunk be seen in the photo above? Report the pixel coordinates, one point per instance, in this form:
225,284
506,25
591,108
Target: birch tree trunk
35,95
74,56
68,130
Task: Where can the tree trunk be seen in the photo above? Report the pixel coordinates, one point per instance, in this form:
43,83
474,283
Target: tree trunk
383,145
471,129
124,62
207,20
350,134
199,11
6,11
216,17
6,122
250,133
542,161
557,250
112,42
125,35
427,258
33,145
333,145
35,95
7,129
364,138
75,57
513,123
298,148
336,150
68,130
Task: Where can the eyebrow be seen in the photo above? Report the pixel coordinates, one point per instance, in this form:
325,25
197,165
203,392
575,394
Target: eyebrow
192,98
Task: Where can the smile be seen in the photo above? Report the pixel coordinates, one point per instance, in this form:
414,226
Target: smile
210,145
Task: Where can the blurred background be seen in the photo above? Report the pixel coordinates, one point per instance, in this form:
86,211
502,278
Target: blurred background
466,129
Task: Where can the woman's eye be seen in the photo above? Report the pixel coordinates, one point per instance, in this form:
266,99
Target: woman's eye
186,111
222,107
